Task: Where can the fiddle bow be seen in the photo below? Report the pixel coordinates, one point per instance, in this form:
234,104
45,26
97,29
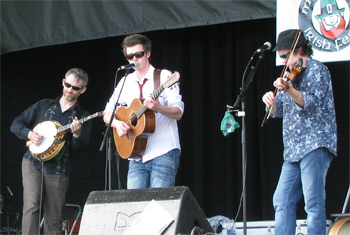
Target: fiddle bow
290,75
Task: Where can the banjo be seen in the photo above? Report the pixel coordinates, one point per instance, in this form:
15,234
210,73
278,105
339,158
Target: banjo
53,141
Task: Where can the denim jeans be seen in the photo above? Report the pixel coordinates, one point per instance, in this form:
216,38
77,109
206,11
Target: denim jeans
156,173
307,177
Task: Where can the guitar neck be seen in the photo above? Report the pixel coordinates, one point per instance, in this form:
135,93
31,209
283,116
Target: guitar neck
143,108
156,93
174,78
82,120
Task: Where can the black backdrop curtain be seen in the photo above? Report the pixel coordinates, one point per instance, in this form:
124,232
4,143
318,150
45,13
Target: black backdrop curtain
211,60
29,24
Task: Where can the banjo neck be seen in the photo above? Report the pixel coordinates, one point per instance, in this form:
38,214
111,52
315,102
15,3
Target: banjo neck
82,120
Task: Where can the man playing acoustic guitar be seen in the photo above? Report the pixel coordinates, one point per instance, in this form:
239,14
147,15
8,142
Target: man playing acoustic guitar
50,178
156,165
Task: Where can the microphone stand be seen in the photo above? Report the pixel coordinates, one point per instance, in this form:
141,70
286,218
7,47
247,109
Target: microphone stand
8,212
241,99
108,136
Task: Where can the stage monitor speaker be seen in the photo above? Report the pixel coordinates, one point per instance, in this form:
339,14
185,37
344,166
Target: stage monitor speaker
118,211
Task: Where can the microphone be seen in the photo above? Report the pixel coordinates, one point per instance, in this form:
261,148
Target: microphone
265,47
129,66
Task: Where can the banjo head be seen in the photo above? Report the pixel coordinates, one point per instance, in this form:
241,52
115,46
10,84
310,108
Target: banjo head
48,130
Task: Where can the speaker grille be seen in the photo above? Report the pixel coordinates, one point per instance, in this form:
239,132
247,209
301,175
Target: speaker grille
113,212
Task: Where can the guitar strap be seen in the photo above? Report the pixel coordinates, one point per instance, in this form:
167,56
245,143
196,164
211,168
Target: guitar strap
156,78
41,113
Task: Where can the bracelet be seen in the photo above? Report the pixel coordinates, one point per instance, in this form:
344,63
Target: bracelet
28,134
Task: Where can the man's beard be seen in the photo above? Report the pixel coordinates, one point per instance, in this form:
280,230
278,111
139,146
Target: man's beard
70,98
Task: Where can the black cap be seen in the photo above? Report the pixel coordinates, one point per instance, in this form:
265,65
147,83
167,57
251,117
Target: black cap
286,38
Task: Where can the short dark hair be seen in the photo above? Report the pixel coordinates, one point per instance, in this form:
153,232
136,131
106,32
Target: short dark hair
135,39
79,73
305,50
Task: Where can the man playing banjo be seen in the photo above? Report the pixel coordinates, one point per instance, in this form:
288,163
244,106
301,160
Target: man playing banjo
50,178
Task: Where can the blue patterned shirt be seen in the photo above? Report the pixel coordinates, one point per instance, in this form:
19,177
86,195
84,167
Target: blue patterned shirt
313,126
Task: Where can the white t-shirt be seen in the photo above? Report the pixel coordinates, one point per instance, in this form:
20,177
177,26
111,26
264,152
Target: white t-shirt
166,136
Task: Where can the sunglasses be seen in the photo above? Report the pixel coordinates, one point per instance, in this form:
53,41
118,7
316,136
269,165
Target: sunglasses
66,84
285,55
137,55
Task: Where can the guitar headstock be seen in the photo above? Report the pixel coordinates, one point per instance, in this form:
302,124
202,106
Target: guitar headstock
174,78
97,114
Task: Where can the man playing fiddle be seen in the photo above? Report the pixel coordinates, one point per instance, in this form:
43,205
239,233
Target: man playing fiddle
309,135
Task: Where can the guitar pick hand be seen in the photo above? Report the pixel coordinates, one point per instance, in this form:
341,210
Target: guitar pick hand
35,137
122,127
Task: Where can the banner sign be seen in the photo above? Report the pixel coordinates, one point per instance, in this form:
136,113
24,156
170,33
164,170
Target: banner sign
325,24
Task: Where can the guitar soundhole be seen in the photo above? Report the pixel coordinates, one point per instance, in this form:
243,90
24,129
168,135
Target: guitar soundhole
133,120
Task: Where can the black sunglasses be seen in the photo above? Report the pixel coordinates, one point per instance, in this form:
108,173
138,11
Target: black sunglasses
285,55
137,55
73,87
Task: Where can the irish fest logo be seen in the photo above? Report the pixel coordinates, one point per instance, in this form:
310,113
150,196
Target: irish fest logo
325,23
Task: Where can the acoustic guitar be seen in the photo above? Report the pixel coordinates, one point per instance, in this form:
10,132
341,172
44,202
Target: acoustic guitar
52,141
142,122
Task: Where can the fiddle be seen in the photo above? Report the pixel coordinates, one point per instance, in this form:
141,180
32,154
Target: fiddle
293,75
290,75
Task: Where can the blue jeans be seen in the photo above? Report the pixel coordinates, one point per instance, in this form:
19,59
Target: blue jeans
156,173
308,177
